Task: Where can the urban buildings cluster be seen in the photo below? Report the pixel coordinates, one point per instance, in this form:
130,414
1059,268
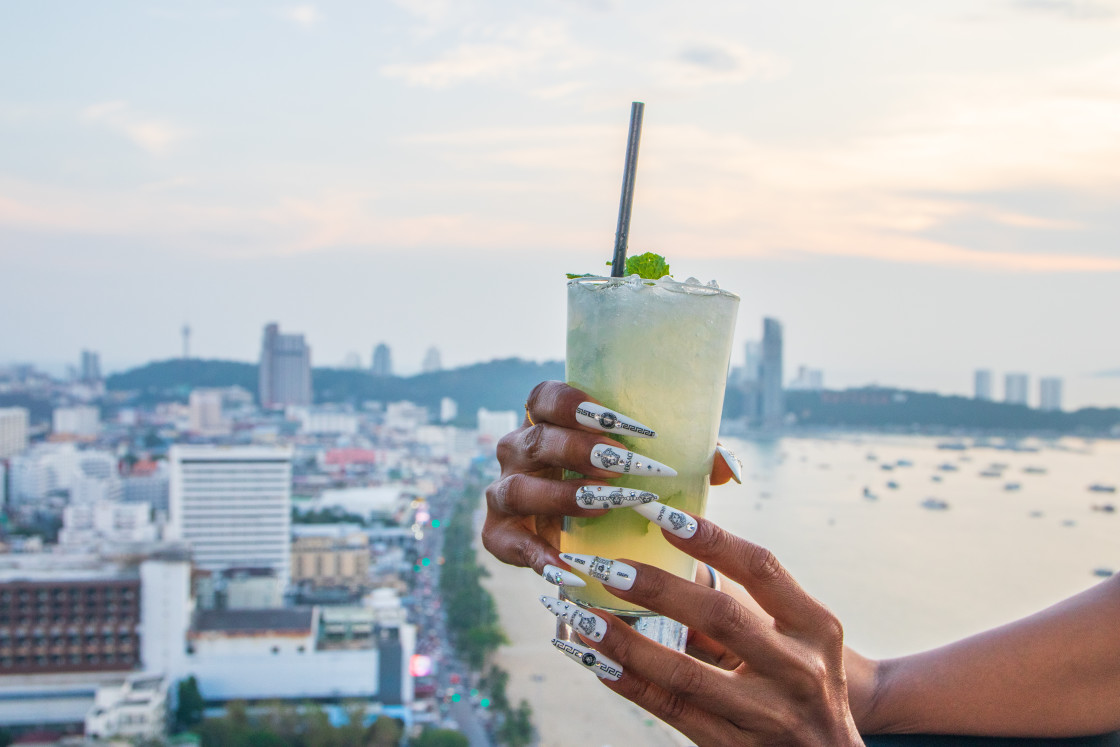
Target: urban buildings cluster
261,544
1016,389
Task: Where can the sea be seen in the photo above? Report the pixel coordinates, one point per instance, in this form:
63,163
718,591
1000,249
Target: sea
917,541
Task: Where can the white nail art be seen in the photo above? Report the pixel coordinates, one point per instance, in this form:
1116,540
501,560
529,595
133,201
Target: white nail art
625,462
613,573
600,418
604,668
732,462
668,518
610,496
583,621
560,577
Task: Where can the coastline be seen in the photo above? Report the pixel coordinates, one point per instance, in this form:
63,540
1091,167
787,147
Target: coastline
569,706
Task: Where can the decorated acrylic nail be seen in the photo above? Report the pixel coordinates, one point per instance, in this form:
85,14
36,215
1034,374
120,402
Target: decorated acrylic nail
586,623
610,496
600,418
615,459
668,518
613,573
604,668
560,577
732,463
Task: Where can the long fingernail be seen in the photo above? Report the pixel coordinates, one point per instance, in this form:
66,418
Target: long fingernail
668,518
560,577
604,668
732,463
601,419
624,462
587,623
613,573
609,496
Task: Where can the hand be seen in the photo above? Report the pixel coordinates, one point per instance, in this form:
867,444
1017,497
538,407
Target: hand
774,678
524,507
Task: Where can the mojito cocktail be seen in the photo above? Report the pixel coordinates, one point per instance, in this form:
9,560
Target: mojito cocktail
657,351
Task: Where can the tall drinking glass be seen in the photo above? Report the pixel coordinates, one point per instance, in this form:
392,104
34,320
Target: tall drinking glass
658,352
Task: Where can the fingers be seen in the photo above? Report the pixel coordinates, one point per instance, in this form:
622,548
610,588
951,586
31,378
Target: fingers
557,403
760,573
516,541
725,467
528,495
692,721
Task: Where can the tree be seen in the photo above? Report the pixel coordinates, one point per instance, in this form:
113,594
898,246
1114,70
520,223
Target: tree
191,705
384,732
441,738
517,729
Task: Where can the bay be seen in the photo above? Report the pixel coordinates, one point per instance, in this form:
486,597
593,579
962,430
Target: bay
904,577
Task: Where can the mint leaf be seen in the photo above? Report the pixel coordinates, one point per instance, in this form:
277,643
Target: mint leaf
648,266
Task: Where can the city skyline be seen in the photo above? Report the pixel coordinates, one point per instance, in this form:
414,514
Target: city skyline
914,191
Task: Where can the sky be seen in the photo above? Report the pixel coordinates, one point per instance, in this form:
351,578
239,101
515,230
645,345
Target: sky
914,189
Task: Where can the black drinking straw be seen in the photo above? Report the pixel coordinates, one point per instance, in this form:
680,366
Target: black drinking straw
622,234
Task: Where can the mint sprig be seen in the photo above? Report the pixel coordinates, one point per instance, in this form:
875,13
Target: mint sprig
648,266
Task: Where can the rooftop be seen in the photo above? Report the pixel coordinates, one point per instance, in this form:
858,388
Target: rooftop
281,620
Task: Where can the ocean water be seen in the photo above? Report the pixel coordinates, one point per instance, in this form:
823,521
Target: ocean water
904,577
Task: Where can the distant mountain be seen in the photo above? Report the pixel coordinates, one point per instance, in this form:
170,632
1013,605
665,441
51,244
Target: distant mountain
496,385
897,408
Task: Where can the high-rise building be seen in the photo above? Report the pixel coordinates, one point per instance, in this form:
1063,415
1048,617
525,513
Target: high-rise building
771,396
1050,393
91,367
285,370
232,505
432,361
382,361
1015,387
983,384
13,431
753,360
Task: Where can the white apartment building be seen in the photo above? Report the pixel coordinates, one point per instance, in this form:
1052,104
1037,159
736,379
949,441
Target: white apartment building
493,425
82,421
232,505
87,524
86,474
206,415
13,431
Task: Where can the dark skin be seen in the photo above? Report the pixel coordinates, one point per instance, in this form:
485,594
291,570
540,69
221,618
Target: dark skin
767,661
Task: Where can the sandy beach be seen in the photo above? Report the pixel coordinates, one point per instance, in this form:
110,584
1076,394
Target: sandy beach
570,707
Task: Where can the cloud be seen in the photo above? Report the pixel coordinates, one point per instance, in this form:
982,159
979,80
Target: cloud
504,53
710,62
153,135
304,15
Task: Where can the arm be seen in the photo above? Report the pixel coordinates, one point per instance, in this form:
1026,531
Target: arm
1054,673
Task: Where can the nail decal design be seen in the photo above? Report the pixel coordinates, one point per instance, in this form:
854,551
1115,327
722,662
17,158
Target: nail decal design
732,462
613,573
560,577
609,496
668,518
600,418
584,621
628,463
604,668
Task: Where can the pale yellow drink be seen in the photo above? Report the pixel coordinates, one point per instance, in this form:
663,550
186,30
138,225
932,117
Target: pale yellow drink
658,352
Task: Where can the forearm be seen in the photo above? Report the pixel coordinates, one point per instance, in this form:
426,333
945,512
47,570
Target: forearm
1055,673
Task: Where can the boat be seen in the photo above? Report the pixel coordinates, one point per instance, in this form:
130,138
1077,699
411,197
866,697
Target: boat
952,446
935,504
1034,470
948,467
936,478
1012,486
904,463
1104,508
892,485
1099,488
991,473
1102,572
886,467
